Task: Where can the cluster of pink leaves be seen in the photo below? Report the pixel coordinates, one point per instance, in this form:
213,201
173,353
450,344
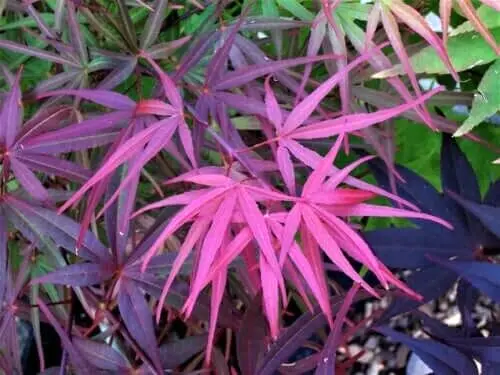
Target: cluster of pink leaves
236,214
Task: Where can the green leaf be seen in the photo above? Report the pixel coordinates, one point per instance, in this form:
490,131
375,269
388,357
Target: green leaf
486,102
466,51
418,148
297,9
488,16
196,21
354,10
27,22
269,8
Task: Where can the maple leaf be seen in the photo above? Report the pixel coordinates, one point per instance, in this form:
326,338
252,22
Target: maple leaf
23,149
315,216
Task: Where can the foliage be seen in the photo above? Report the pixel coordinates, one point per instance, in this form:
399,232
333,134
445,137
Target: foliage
214,184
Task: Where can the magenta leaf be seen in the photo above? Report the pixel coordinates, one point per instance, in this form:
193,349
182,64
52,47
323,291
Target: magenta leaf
307,106
103,97
355,122
3,255
249,73
11,113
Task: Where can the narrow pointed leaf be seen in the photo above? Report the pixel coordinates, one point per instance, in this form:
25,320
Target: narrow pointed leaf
312,159
445,7
431,283
487,215
329,246
101,355
468,9
169,87
51,165
3,255
118,75
457,174
29,181
257,224
195,232
182,217
270,295
76,357
124,152
36,52
176,352
77,39
163,50
57,81
137,317
103,97
484,276
410,248
355,122
272,107
80,274
315,180
11,114
73,136
306,107
295,336
441,358
217,293
392,31
128,29
249,73
213,241
154,24
417,190
326,366
61,229
286,168
250,339
365,209
486,103
216,64
417,23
